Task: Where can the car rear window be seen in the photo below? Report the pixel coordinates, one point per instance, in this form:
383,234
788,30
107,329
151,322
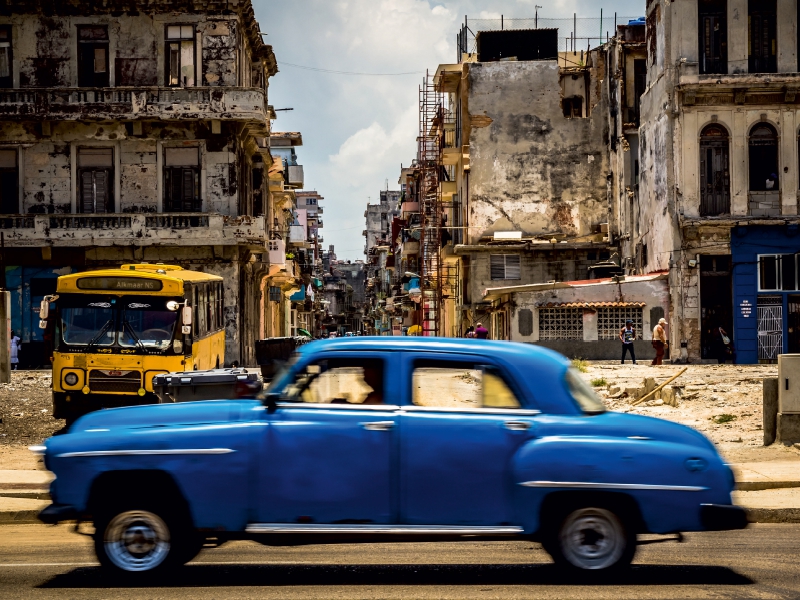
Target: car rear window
582,392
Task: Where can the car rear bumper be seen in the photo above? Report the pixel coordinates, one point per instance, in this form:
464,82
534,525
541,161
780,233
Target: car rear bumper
56,513
722,517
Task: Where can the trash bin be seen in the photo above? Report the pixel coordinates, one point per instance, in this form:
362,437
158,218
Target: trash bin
272,353
213,384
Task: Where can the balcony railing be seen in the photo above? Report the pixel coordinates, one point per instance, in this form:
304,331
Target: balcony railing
179,229
248,104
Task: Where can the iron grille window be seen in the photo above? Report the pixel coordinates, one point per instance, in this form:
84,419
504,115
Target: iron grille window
182,180
611,319
560,323
505,266
274,294
93,56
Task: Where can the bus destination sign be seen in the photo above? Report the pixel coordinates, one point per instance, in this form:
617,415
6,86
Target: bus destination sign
120,284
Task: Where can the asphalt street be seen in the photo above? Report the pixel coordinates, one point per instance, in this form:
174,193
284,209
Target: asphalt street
37,561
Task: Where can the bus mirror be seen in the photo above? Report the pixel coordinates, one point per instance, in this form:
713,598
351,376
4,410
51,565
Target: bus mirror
43,324
44,309
187,315
186,329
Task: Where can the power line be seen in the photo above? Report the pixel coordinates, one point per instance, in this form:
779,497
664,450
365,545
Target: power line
335,72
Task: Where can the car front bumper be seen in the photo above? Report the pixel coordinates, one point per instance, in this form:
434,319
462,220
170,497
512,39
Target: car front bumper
722,517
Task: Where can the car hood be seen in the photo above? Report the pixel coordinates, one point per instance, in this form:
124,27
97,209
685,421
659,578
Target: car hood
164,415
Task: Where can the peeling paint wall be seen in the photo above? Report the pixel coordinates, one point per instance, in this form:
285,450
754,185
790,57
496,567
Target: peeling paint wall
532,169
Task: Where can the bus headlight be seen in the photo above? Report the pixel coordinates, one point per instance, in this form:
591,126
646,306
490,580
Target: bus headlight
71,378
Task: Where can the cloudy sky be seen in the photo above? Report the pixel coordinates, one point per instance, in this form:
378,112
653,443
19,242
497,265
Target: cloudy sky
358,129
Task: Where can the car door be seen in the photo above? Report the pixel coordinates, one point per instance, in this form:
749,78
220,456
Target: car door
329,447
461,424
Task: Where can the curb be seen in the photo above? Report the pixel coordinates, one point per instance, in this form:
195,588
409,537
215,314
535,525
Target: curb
19,517
773,515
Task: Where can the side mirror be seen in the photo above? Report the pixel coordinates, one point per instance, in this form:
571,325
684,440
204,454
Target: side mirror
44,309
186,317
271,401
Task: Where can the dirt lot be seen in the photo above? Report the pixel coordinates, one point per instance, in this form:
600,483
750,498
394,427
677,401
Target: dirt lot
724,402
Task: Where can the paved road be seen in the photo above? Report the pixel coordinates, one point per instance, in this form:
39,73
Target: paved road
762,562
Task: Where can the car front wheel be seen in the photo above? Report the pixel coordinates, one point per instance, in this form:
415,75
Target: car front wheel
592,539
136,541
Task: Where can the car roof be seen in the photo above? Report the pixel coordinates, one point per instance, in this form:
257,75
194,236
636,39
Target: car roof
510,351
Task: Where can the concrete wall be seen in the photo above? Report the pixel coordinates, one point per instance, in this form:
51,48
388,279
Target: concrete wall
532,169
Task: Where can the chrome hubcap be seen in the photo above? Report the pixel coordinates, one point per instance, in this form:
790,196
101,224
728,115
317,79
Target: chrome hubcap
137,540
592,538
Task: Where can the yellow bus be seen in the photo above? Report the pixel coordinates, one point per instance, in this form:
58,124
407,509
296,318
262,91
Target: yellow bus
112,330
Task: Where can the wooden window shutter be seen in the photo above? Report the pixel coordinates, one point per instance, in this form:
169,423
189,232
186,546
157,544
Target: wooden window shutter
512,266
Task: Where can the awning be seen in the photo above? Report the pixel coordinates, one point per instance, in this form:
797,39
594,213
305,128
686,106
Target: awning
299,295
593,305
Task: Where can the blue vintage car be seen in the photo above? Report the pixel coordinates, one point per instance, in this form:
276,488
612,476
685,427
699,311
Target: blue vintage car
390,439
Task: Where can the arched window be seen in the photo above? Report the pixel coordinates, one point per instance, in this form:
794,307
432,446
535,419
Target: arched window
763,155
715,195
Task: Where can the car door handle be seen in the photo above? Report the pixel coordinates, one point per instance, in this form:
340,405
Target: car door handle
517,425
378,425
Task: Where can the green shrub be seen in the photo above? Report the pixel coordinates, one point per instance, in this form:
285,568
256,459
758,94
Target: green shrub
724,418
581,364
599,382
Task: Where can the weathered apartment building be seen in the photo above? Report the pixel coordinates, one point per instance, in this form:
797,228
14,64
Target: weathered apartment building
511,198
718,185
135,131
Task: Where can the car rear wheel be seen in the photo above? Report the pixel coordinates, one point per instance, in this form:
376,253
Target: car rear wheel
591,539
143,540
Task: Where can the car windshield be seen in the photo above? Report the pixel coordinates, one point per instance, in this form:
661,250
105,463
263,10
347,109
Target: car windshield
583,393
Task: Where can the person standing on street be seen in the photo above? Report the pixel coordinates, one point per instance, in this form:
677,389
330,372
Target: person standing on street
14,351
659,341
481,332
471,332
626,335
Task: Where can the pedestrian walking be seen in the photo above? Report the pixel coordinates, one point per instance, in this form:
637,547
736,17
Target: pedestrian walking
481,332
626,335
470,332
723,346
15,344
659,341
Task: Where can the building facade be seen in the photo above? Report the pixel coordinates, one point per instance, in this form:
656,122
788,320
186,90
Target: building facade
718,187
134,135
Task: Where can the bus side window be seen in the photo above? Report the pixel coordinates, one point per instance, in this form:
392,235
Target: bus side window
210,308
221,305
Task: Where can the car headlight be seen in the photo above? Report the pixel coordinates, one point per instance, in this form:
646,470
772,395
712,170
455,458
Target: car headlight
71,378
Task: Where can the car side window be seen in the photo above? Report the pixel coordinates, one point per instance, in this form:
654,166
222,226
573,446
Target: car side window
467,385
339,381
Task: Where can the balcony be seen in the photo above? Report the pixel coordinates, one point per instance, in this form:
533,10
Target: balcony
295,176
102,104
173,229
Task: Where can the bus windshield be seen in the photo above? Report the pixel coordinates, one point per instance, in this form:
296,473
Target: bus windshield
127,321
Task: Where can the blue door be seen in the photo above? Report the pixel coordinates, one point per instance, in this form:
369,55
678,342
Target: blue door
460,428
329,447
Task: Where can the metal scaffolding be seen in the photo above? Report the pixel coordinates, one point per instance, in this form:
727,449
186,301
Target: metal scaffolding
429,155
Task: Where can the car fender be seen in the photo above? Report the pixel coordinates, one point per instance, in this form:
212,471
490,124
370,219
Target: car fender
668,480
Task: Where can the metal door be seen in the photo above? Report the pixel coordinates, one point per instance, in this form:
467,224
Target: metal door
715,196
770,327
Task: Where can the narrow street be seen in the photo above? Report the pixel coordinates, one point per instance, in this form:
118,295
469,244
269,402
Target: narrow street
52,562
